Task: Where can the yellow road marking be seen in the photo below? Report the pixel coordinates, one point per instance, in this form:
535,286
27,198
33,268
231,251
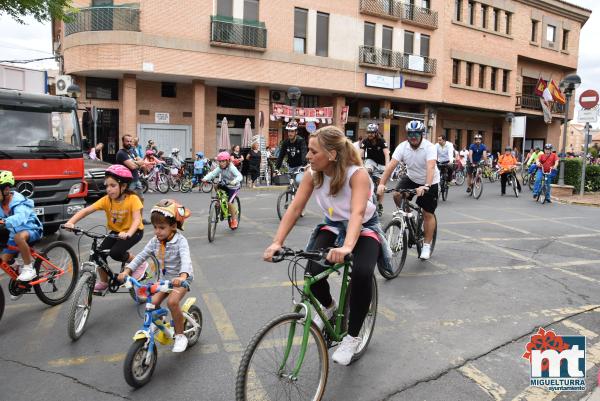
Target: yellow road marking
221,318
46,322
581,276
586,248
483,381
387,313
579,329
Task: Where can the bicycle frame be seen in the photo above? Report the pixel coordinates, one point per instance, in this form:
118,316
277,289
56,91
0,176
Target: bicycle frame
35,256
221,196
309,301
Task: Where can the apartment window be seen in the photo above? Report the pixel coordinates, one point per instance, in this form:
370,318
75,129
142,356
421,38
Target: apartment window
469,136
529,85
251,10
551,33
495,18
309,101
469,73
534,29
322,34
386,38
369,39
458,10
409,42
507,19
484,16
101,88
482,76
300,17
565,41
426,4
425,45
457,145
471,11
505,76
225,8
455,71
168,89
235,98
494,76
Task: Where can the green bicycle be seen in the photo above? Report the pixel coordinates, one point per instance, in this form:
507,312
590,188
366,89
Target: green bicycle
219,210
288,358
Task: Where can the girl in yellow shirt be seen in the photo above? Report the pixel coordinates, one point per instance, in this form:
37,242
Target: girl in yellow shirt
123,211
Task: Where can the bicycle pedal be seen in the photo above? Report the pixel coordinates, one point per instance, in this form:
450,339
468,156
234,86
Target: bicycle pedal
15,297
100,293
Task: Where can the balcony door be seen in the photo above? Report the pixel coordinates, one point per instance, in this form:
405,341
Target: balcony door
102,18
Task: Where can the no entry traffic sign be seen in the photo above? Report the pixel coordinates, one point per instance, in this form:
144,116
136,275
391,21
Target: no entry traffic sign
588,99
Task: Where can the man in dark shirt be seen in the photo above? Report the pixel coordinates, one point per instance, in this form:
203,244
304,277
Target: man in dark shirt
294,148
126,156
477,151
374,149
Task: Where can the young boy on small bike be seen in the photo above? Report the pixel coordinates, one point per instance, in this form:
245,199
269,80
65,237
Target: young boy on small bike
123,210
199,164
173,253
230,183
17,216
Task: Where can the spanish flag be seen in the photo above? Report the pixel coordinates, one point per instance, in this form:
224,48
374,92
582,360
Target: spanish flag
541,85
557,95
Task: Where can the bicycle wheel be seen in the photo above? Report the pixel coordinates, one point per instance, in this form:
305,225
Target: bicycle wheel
144,183
81,305
162,183
513,180
397,236
137,373
58,288
213,218
174,183
206,187
2,300
542,195
238,203
460,177
185,185
193,335
477,187
366,330
531,182
152,274
433,239
444,189
265,371
283,202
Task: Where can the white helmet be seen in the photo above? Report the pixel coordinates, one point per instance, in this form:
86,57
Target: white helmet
373,128
174,151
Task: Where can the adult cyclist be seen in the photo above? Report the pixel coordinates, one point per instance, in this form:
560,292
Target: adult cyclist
422,174
477,152
374,151
445,157
294,148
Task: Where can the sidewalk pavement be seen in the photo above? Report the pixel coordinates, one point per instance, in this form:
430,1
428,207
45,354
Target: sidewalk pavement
593,396
588,199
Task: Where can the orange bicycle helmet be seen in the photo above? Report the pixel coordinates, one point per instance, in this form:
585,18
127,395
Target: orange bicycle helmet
173,210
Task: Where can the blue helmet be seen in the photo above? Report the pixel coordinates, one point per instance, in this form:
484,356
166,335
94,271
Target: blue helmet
200,154
415,126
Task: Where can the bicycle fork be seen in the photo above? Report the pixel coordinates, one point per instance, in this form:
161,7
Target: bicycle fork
293,376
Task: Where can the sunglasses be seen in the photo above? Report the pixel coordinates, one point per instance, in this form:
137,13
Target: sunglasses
414,135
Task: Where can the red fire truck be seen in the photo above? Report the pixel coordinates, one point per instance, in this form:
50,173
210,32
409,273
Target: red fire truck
40,142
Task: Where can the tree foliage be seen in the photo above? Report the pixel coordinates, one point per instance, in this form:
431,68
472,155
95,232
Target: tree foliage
41,10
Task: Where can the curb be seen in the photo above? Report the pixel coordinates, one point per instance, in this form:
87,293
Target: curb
578,203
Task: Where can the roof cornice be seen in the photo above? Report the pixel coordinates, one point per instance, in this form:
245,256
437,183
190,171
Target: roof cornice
561,7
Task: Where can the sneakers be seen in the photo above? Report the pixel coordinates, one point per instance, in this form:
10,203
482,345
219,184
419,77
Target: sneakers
468,190
138,273
233,224
181,343
328,314
27,273
425,251
346,350
100,286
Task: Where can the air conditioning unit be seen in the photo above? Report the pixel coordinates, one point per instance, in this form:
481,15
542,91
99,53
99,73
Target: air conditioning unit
370,58
62,84
278,96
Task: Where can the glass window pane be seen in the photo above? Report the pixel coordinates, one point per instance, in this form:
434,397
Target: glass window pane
322,34
300,16
386,40
299,45
369,39
225,8
550,33
251,10
408,42
425,45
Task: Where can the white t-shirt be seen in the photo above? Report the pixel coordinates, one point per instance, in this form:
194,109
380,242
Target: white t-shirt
416,160
445,153
338,207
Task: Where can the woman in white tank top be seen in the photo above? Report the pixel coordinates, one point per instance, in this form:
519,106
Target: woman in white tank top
343,189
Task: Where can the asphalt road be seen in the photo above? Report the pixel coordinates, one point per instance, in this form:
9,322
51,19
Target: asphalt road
452,328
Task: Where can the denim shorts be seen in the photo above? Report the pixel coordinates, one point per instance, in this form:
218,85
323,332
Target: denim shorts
34,236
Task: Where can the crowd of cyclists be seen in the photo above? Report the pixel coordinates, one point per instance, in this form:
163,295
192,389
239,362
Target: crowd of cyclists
339,176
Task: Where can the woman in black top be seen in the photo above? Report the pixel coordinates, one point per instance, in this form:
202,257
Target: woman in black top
236,157
253,158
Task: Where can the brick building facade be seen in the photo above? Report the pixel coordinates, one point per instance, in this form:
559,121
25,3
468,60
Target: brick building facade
171,73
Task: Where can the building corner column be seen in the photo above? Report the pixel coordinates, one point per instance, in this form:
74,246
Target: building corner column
129,107
338,104
261,104
199,107
385,130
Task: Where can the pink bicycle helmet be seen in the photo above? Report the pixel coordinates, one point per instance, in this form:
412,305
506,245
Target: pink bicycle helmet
149,152
120,173
223,156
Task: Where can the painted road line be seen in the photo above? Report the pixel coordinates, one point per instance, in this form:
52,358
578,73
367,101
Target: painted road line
579,329
220,317
46,322
483,381
578,226
496,223
578,275
585,248
387,313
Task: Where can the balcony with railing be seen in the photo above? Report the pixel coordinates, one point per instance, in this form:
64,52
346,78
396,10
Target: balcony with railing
382,8
233,32
420,16
114,18
369,56
532,102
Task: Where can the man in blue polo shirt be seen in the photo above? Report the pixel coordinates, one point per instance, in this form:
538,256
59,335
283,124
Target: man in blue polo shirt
477,151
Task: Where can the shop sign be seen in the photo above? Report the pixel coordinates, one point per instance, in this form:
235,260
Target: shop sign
383,81
517,128
161,118
318,114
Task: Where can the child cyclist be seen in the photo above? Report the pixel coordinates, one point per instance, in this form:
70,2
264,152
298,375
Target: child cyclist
230,183
199,164
173,253
18,217
123,210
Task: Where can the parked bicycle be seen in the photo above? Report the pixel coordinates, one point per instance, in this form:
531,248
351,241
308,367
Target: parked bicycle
81,303
284,200
289,354
405,230
57,270
142,356
219,210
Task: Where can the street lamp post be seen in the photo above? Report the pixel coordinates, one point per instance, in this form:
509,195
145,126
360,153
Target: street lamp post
567,85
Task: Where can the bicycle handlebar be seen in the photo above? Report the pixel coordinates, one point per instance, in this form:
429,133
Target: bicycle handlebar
406,191
165,286
317,256
81,231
